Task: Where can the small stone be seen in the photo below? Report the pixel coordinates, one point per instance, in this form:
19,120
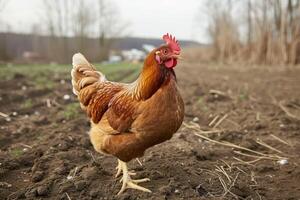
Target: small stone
283,162
66,97
42,190
14,113
195,119
37,176
177,191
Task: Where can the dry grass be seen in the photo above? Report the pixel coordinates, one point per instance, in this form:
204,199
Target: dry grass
271,37
226,176
250,153
287,112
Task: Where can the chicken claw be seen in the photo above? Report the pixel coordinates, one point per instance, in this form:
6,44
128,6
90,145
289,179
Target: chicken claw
127,181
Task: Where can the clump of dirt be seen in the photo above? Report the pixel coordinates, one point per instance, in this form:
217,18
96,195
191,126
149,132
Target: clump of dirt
45,152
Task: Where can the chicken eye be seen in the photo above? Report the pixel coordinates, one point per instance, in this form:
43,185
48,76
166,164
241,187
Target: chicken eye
165,51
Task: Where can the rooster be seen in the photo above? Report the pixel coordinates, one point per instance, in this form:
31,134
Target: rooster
127,119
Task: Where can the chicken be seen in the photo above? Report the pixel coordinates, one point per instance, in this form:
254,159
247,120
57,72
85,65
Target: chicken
126,119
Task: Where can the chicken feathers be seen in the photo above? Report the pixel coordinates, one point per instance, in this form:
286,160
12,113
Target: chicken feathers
126,119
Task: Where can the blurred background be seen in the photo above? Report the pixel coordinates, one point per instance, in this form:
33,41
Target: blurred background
53,30
247,31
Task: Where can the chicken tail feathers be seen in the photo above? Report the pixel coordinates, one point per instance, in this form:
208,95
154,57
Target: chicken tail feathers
84,74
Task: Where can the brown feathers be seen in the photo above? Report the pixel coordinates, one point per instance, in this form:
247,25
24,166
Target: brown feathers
151,78
128,118
93,90
124,105
100,98
98,95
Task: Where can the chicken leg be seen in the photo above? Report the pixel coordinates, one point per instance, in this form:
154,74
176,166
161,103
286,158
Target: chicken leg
126,180
119,170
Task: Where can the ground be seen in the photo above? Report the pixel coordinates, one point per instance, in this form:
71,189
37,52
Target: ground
45,152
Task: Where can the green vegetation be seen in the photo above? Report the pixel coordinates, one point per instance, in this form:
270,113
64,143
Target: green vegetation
40,74
16,152
27,104
42,82
48,76
243,96
71,111
202,104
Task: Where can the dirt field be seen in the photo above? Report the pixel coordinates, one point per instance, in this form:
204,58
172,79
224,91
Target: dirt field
45,151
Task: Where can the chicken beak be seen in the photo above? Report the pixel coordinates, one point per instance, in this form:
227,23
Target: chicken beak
157,52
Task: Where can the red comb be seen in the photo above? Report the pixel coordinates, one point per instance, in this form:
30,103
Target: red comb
172,42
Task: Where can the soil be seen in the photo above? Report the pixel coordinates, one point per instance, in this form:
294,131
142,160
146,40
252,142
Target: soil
46,154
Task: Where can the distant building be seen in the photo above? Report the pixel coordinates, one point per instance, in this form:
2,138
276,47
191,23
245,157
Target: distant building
30,56
114,59
133,55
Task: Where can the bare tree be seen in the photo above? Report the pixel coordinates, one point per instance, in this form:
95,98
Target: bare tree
56,17
223,31
81,19
110,26
249,21
273,31
3,52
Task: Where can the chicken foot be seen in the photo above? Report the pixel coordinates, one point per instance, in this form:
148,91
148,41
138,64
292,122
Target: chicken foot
127,182
119,170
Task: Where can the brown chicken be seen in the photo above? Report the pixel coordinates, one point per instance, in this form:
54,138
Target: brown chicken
126,119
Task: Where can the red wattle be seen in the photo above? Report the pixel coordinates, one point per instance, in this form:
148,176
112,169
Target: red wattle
171,63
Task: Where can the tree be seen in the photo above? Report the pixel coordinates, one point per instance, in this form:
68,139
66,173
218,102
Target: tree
3,53
110,26
81,19
56,17
273,31
222,29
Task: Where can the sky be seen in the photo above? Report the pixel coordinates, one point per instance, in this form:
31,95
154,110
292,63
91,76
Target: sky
146,18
